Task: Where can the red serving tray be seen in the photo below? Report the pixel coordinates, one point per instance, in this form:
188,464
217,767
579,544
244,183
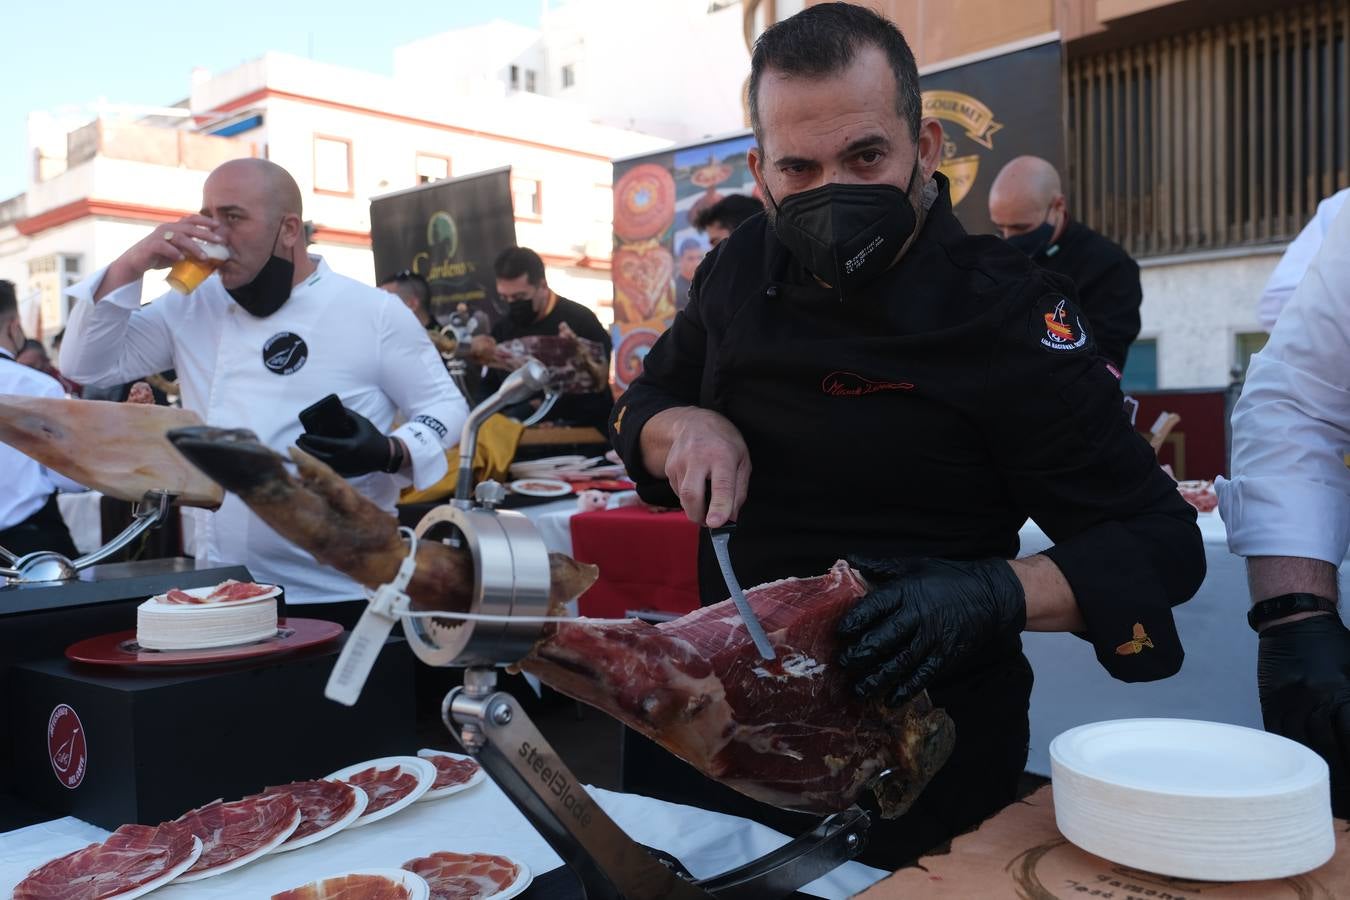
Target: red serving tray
121,649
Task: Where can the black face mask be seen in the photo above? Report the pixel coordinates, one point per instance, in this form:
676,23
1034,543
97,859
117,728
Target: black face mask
520,312
847,234
1034,241
269,289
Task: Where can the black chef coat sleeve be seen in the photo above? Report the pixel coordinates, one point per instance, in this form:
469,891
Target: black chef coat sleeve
1124,538
1112,302
672,374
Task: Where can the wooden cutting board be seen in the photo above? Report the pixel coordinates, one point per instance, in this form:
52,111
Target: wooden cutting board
1020,854
116,448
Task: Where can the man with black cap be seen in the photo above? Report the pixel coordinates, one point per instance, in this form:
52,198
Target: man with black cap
854,376
1028,207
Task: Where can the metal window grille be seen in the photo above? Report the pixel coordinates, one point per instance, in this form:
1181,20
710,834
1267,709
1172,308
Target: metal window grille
1216,138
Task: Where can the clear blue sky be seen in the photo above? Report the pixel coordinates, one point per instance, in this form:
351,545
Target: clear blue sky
75,52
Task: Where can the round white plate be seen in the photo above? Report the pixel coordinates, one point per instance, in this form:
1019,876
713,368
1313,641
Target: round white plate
202,592
437,793
1190,799
523,876
415,884
426,776
345,822
246,858
166,877
541,487
1189,758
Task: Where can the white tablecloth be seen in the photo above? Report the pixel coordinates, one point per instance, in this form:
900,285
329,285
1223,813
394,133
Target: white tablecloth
479,819
1217,681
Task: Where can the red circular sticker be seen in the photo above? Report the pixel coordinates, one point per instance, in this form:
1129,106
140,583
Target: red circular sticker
66,747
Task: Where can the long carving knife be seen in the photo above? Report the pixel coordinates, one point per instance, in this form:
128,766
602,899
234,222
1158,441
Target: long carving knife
720,537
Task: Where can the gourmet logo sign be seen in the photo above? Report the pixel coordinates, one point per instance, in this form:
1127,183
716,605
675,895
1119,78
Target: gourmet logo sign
66,747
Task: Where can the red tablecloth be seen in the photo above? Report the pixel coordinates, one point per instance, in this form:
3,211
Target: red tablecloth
648,560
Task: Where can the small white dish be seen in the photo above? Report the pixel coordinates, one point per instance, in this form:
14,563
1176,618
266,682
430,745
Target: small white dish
1192,799
415,884
424,771
345,822
166,877
247,858
541,487
522,880
437,793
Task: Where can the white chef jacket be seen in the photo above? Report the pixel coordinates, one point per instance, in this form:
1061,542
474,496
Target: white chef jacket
1292,266
24,484
1290,490
333,336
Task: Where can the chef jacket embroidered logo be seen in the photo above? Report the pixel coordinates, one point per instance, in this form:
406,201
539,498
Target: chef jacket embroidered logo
851,384
1063,327
285,353
66,747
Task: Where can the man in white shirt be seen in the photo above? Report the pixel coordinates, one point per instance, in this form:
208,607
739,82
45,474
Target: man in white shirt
1287,509
29,517
273,331
1300,252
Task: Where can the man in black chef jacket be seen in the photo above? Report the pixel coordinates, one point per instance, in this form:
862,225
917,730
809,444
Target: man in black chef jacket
856,376
534,309
1027,206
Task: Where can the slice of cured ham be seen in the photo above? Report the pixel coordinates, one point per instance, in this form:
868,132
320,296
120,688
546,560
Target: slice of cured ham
451,770
230,832
132,856
321,803
464,876
789,732
229,591
384,787
347,887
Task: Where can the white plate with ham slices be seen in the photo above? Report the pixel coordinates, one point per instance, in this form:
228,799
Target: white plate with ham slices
235,834
230,591
140,858
455,772
333,814
391,784
472,876
415,885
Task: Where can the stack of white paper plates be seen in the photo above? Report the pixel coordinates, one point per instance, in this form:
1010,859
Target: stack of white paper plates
1192,799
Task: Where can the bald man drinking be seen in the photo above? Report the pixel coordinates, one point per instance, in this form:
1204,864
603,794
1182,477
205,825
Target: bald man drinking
270,333
1028,207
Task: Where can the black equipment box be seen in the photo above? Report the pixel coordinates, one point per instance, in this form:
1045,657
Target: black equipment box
114,747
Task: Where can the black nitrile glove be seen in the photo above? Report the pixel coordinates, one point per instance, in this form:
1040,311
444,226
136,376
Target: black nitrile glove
923,617
1303,673
365,449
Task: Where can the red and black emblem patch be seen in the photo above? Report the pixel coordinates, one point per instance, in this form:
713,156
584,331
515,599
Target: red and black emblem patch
1058,325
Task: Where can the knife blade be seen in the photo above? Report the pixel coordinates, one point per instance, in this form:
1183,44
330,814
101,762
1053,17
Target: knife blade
720,537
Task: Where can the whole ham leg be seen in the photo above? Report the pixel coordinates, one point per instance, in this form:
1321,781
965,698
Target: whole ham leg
789,733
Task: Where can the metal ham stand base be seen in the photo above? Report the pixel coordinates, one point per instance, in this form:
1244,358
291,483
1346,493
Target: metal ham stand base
511,580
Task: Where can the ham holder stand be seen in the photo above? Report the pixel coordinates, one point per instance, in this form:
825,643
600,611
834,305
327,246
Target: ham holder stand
48,565
511,605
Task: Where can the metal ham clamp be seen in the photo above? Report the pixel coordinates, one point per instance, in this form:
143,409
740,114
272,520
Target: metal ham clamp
507,617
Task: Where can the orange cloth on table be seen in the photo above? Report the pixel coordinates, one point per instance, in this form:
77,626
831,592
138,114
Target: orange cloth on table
648,561
497,442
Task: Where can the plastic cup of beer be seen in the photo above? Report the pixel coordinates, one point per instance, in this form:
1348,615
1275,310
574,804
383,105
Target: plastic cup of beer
190,272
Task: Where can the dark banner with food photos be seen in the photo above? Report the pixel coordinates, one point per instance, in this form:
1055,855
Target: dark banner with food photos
449,232
992,111
657,247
